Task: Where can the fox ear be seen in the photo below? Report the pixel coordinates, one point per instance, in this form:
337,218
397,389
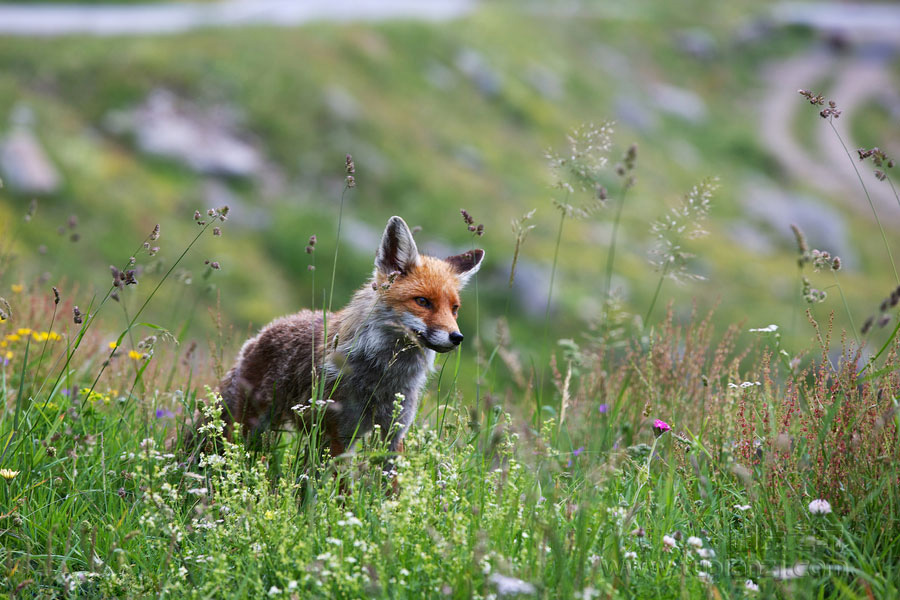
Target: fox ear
466,264
398,250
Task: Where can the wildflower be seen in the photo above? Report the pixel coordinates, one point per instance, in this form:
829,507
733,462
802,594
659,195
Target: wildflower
603,408
750,586
660,427
154,235
631,555
695,542
510,586
706,564
164,413
77,316
742,507
819,507
17,288
769,329
135,355
113,345
8,474
575,454
669,542
55,295
704,576
706,553
274,591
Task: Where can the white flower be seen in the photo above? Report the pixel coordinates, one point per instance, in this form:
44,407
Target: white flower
631,555
669,541
274,591
750,586
819,507
769,329
704,576
798,570
404,572
510,586
706,553
742,507
744,384
593,559
197,491
292,585
695,542
705,564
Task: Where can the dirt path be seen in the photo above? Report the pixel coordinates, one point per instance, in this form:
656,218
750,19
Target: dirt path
176,17
855,79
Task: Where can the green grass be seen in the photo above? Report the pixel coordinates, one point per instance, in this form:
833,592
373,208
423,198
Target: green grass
534,455
422,151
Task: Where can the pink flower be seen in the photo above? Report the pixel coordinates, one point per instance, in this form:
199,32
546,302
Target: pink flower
660,427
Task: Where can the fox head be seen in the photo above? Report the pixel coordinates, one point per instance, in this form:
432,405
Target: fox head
422,291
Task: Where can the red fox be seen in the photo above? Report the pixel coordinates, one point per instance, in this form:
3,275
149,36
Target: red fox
381,344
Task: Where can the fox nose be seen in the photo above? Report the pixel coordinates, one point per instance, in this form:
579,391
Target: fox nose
456,337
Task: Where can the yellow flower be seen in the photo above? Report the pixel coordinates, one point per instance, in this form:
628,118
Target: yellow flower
24,331
54,336
113,345
12,337
9,355
3,343
269,515
40,336
135,355
17,288
8,474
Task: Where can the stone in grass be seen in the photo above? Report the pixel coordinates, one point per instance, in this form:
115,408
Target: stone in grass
25,164
208,140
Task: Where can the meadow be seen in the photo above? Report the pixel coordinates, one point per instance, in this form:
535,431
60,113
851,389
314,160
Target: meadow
659,442
655,457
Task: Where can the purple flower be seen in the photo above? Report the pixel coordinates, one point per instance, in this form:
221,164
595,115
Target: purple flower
660,427
603,408
575,453
164,413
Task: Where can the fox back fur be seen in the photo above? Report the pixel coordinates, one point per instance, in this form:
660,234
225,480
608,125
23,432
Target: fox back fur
383,343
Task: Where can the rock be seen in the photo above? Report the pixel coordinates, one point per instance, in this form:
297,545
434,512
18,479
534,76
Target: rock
545,82
696,43
679,102
205,139
25,165
241,214
631,111
475,67
824,226
341,104
752,238
531,276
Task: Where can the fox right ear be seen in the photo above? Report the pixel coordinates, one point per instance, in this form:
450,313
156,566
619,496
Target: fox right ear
398,250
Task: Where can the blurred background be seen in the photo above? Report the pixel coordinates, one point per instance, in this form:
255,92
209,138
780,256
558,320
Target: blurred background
115,117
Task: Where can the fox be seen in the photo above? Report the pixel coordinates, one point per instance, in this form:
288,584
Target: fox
378,349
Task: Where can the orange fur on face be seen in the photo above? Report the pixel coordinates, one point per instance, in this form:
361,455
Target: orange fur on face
433,279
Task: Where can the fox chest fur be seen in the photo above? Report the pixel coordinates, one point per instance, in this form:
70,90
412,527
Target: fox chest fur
360,360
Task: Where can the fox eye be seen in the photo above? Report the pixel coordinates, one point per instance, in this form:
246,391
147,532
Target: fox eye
455,308
422,301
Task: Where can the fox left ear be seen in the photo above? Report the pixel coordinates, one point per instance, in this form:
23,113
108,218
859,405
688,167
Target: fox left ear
466,264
